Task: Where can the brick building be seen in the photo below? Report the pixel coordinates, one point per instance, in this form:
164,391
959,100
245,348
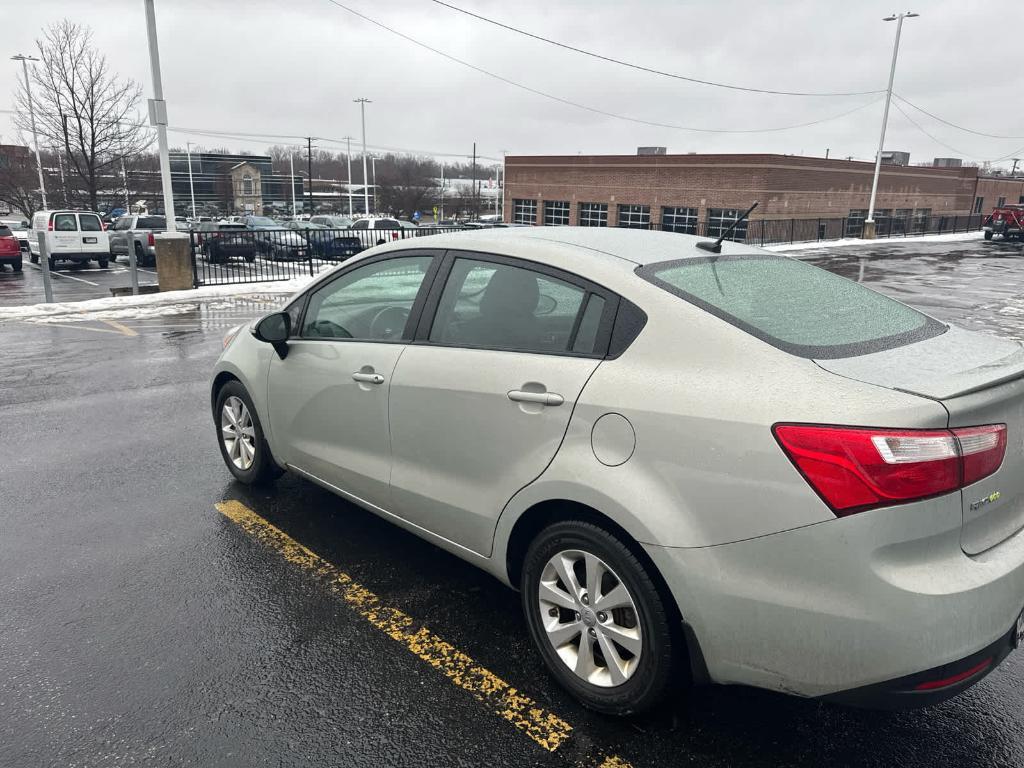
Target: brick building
677,191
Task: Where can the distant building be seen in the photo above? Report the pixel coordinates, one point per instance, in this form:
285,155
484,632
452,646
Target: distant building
652,150
893,157
220,185
947,162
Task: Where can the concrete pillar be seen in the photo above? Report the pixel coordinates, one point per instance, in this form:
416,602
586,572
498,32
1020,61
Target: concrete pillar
174,261
868,233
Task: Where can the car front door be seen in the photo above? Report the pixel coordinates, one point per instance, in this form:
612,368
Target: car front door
328,398
480,403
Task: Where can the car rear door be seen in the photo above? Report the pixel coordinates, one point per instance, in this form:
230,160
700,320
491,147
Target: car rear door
480,403
92,238
65,237
328,398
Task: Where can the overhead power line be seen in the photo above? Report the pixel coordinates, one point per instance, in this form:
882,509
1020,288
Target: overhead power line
577,105
954,125
969,155
649,70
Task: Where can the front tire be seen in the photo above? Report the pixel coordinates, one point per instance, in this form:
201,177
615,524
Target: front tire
240,437
611,643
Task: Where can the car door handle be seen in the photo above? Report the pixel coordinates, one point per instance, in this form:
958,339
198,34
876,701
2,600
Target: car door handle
543,398
368,378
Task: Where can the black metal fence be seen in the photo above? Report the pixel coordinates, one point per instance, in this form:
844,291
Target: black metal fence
227,253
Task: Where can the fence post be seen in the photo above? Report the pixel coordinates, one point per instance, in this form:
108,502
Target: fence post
193,241
44,266
792,230
132,262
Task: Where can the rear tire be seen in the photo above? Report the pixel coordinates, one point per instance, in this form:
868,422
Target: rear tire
251,462
104,263
651,671
52,262
17,264
140,256
988,235
33,258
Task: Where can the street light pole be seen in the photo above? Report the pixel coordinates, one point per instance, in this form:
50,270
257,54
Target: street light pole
348,160
373,175
869,223
366,190
32,120
191,189
291,178
158,115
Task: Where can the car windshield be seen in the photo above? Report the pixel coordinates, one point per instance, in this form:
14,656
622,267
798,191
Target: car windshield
793,306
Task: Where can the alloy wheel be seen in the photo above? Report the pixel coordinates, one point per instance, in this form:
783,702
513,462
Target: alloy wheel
238,433
590,618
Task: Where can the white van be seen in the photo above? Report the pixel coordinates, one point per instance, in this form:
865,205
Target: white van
70,236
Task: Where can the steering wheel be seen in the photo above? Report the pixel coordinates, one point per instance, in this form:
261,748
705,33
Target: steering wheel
389,323
328,329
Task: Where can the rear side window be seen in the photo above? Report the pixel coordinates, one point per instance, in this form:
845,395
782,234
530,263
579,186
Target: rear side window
65,222
90,222
793,306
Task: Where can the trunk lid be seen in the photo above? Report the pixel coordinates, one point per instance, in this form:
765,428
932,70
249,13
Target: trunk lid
979,379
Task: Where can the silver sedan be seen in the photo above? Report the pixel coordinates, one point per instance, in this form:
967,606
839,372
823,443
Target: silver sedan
697,464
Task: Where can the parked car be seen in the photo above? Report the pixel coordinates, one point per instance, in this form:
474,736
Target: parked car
275,241
326,243
141,229
20,229
1006,221
728,466
10,250
332,222
221,241
383,229
75,236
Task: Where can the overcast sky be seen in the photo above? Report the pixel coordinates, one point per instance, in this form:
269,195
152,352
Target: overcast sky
294,66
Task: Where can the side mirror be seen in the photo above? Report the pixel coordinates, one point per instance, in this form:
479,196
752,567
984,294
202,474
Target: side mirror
274,330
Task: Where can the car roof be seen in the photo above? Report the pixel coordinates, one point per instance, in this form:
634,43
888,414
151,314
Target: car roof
626,248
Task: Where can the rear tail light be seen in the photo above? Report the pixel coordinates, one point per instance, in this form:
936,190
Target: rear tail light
854,469
151,240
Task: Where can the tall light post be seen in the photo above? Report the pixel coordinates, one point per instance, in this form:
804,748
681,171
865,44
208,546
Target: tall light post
366,190
32,120
158,115
869,223
191,189
348,160
291,179
373,175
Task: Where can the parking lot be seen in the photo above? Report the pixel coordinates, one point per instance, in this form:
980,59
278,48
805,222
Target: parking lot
156,612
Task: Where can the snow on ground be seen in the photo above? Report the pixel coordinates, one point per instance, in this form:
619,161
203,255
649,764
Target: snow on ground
177,302
950,238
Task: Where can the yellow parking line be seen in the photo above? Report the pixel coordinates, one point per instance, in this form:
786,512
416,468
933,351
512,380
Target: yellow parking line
545,728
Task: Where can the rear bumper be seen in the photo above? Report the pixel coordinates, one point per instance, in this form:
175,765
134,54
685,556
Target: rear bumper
847,604
80,255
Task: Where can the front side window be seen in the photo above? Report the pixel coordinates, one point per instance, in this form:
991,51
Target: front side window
593,214
125,222
485,304
65,222
556,213
524,211
635,216
720,219
793,306
682,220
370,303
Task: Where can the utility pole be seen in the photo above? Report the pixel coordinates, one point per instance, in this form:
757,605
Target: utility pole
441,218
32,119
309,164
476,201
869,223
348,160
63,181
1014,171
373,176
362,102
826,152
124,178
191,188
158,115
291,178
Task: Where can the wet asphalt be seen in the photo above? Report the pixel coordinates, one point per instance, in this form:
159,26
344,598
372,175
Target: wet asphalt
138,626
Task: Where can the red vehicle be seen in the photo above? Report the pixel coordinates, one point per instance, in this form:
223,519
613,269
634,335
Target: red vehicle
10,249
1006,220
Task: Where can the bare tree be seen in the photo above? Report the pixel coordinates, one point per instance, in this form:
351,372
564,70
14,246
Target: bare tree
84,108
19,186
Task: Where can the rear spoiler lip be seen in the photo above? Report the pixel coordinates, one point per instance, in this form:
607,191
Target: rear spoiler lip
981,387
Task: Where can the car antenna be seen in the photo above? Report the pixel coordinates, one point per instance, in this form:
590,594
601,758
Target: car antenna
716,247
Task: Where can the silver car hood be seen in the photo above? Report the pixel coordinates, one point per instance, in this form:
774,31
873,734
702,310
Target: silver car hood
954,363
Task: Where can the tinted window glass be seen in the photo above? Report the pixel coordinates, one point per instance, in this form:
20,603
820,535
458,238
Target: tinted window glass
495,305
123,223
371,303
5,231
65,222
387,224
152,222
586,336
90,222
361,224
794,306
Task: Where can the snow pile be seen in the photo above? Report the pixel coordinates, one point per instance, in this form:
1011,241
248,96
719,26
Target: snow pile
150,304
950,238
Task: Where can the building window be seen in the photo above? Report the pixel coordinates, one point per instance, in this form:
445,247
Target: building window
247,185
1020,200
978,203
1001,203
682,220
593,214
901,219
922,218
855,222
556,213
524,211
635,216
720,219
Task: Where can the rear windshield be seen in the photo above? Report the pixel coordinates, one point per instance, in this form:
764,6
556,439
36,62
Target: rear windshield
5,231
90,222
793,306
152,222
